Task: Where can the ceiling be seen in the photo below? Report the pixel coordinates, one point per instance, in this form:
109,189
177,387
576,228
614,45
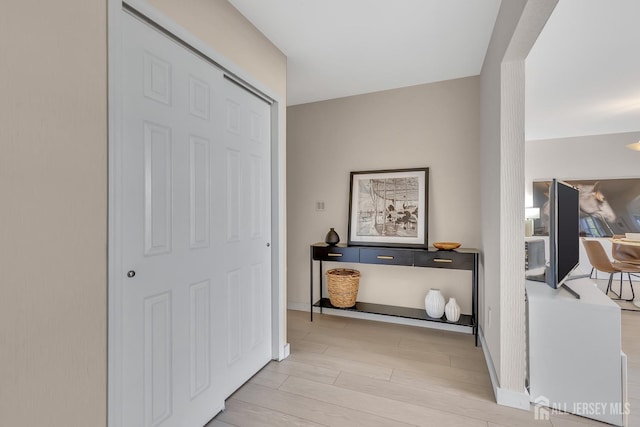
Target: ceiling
582,75
339,48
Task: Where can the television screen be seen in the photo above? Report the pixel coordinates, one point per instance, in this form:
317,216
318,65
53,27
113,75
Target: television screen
564,232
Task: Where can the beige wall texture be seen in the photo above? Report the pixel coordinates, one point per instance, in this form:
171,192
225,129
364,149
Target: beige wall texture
53,218
53,185
220,25
433,125
581,157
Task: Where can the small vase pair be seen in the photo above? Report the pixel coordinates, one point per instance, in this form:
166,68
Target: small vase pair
435,306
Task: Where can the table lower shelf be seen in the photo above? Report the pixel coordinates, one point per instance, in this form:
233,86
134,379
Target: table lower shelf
391,310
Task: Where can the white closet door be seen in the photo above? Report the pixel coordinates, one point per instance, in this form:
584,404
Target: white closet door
246,232
195,233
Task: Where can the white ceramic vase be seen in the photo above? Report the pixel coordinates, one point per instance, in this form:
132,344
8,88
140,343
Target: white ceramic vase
434,303
452,310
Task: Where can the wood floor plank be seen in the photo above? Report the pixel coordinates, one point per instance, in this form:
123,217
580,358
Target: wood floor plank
297,334
353,372
378,329
269,377
482,410
443,385
469,363
634,419
304,370
350,339
388,362
311,409
300,345
462,346
302,320
248,415
390,357
633,374
376,405
634,416
633,389
343,364
570,420
217,423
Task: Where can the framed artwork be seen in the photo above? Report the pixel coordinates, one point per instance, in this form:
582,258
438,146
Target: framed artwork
389,208
607,206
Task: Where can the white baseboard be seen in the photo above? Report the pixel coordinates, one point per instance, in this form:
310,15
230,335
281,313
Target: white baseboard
514,399
286,350
299,306
504,397
625,388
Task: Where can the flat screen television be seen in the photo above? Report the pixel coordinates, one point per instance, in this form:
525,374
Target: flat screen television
564,235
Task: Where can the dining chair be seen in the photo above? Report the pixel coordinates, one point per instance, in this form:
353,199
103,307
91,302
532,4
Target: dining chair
601,262
629,254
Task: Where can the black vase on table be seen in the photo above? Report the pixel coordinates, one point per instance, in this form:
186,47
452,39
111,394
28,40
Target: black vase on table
332,237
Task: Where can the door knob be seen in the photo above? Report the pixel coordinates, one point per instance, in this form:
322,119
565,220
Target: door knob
131,273
268,244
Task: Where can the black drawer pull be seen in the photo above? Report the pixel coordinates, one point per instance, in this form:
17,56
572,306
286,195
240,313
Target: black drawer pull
332,254
442,260
384,257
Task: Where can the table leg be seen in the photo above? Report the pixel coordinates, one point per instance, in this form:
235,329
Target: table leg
320,286
474,297
311,284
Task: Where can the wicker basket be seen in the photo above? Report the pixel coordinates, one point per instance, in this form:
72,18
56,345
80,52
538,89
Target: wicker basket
342,284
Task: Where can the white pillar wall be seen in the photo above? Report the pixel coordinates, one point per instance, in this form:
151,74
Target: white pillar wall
502,107
512,303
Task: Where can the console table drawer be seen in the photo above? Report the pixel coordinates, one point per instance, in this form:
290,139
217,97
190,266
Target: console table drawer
444,259
336,253
386,256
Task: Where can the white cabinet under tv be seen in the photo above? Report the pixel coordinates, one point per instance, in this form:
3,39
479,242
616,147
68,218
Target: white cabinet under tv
575,361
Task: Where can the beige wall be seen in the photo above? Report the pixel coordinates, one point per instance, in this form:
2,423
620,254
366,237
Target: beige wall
53,243
581,157
53,184
434,125
219,24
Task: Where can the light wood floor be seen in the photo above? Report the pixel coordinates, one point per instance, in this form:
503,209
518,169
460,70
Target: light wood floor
350,372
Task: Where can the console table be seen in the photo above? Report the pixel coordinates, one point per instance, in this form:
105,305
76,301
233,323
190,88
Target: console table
458,259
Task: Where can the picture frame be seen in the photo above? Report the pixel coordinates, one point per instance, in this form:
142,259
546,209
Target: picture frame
389,208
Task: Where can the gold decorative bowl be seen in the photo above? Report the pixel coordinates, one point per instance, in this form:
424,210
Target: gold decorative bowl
446,246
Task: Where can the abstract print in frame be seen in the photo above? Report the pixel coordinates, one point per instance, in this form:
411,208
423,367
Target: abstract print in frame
389,208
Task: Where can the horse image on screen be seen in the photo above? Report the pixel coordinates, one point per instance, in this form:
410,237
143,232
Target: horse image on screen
607,206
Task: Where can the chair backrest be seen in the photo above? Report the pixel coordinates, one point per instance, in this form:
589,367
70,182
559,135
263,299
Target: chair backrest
597,256
625,253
